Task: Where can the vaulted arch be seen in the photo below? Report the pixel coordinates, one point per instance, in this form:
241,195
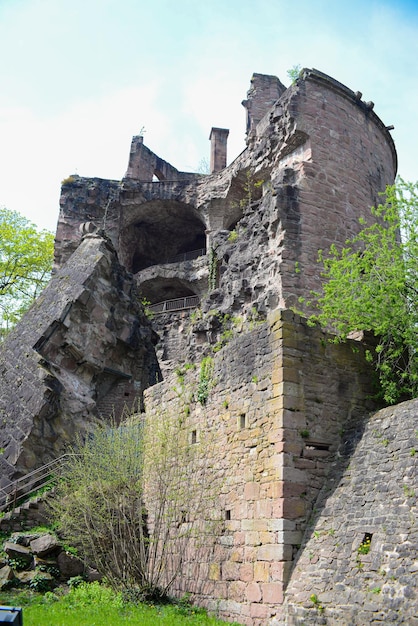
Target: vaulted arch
160,231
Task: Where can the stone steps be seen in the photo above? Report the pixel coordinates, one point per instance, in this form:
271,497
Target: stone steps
25,516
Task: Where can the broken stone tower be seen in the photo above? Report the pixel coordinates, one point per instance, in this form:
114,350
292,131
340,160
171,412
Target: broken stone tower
163,268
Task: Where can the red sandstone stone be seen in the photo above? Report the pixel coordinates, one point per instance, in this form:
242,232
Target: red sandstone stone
253,592
230,571
246,572
251,491
260,611
272,593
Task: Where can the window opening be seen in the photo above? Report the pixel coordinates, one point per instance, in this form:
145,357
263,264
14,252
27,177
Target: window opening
315,445
364,547
242,421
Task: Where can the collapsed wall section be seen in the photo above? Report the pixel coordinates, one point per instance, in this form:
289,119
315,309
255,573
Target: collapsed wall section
318,158
325,157
82,352
277,399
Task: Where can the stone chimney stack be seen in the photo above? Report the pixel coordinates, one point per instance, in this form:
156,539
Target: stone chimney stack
218,140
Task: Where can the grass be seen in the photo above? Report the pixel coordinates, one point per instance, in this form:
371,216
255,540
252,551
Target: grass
94,605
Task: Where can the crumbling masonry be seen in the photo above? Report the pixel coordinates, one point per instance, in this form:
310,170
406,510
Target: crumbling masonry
219,261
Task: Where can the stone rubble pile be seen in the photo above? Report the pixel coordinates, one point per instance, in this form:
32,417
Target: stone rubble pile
39,561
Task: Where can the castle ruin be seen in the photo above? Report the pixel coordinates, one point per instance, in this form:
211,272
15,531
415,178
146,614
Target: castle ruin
220,261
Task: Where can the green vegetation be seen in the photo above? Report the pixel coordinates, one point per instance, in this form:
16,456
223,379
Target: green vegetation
408,491
101,495
68,180
229,324
372,285
251,186
149,314
206,381
294,73
316,602
93,604
26,256
364,547
213,269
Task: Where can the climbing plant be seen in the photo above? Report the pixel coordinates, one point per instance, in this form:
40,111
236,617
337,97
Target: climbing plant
206,381
213,269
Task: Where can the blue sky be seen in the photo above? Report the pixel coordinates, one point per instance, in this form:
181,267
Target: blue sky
79,78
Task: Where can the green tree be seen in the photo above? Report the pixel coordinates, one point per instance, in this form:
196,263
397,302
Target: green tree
372,285
26,256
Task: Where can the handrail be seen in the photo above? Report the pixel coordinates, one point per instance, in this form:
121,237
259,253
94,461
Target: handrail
29,484
178,304
187,256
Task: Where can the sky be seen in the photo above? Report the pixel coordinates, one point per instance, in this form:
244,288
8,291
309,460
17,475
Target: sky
79,78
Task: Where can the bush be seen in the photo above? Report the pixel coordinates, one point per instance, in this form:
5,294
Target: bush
129,498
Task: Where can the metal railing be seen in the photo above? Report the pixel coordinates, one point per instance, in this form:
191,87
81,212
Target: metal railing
187,256
23,488
178,304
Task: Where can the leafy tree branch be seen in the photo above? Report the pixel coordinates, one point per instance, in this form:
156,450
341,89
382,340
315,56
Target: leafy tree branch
372,285
26,256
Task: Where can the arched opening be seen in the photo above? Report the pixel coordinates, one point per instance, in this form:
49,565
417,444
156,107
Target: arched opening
165,295
158,175
161,231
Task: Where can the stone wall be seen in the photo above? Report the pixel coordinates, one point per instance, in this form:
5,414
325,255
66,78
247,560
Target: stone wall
280,396
83,351
318,158
245,241
370,496
146,166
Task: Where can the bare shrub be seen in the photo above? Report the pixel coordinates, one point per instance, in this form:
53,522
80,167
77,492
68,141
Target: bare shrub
138,502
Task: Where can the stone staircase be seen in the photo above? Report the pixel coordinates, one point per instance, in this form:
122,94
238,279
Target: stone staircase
22,502
29,514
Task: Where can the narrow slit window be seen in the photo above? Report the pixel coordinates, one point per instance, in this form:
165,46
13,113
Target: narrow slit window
242,421
194,436
228,514
314,445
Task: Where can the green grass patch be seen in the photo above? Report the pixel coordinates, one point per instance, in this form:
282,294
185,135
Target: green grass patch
94,605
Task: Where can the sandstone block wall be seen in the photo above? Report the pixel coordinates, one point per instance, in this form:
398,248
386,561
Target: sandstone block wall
323,156
371,494
333,156
279,398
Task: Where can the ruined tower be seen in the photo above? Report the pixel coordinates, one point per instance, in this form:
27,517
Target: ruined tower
218,261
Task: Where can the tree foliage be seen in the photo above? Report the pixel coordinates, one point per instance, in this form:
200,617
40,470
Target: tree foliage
26,256
133,498
372,285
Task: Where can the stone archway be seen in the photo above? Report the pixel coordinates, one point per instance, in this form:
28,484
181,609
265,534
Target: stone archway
159,232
